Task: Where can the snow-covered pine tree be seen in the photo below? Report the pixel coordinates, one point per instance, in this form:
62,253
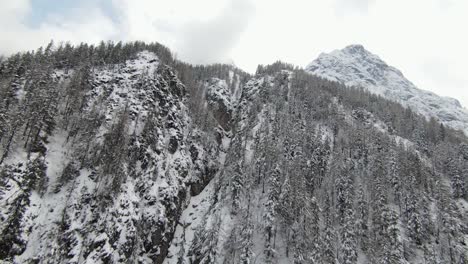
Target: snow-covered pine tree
204,249
271,212
349,253
430,256
458,185
362,221
393,249
414,221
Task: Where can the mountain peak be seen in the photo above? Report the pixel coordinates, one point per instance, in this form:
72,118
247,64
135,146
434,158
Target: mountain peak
352,65
356,66
355,48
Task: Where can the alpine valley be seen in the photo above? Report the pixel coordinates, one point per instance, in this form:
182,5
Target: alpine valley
120,153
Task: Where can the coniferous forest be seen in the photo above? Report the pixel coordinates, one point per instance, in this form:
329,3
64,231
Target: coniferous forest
120,153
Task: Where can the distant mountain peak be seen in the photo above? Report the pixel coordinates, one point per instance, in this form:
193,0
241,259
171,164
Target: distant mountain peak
355,48
356,66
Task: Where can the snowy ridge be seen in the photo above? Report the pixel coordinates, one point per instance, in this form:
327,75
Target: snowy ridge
146,160
355,66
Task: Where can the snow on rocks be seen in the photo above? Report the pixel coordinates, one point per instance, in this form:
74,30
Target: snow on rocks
93,215
221,101
356,67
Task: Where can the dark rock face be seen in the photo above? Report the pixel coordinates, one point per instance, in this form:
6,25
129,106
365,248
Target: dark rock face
223,115
161,239
173,144
219,100
208,174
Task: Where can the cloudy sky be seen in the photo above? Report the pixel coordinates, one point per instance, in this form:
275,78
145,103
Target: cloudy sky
426,39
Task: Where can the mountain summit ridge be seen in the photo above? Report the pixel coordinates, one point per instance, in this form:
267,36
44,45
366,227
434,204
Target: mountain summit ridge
356,66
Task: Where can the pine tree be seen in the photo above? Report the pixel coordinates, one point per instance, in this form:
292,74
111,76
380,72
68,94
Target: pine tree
458,186
414,221
430,256
392,249
348,239
394,177
312,229
345,196
246,244
271,211
362,219
237,184
328,247
204,248
286,211
246,234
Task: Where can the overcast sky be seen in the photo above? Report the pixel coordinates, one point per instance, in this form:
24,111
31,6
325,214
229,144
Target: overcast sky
426,39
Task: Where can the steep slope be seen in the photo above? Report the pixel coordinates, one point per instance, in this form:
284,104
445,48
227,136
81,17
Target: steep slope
110,182
355,66
310,178
120,154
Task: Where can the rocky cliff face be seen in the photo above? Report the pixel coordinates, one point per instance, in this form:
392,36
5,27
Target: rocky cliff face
110,182
122,155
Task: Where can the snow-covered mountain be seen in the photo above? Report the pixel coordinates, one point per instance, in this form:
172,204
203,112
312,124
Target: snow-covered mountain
122,154
355,66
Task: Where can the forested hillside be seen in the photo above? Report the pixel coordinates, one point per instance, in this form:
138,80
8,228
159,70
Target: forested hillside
119,153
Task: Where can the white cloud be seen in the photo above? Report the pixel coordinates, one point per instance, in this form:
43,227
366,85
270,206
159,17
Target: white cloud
199,31
423,38
211,41
89,25
344,7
